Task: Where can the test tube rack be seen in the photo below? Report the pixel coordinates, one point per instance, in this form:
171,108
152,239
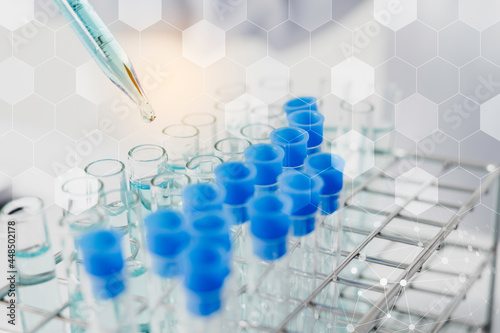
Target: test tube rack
399,272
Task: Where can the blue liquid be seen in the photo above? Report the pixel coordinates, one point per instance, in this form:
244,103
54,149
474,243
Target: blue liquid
143,190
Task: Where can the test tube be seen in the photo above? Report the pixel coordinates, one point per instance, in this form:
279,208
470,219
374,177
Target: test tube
293,141
207,127
330,169
231,91
273,115
304,191
201,168
268,161
231,149
105,282
269,263
166,190
182,142
301,103
236,115
74,226
359,118
31,262
145,162
203,288
202,198
257,133
167,240
110,172
311,122
81,193
123,208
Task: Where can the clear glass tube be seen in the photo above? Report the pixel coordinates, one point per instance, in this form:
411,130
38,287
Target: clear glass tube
231,149
33,265
181,142
206,124
359,118
110,172
80,194
145,162
166,190
236,115
74,226
124,214
273,115
229,92
257,133
201,168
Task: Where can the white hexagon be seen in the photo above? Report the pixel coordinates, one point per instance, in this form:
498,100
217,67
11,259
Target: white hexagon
55,154
310,17
255,8
171,12
395,14
96,146
331,43
55,80
437,80
405,187
140,14
203,43
268,80
117,116
92,84
490,117
44,185
18,80
285,36
33,43
107,10
17,154
310,78
353,80
452,39
395,80
69,48
479,14
33,117
237,113
161,43
5,117
225,80
358,152
416,117
250,49
76,117
15,13
416,43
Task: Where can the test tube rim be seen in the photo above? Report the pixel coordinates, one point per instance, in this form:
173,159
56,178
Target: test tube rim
212,117
216,145
256,124
177,174
188,164
122,165
285,142
99,190
291,117
150,145
343,107
196,131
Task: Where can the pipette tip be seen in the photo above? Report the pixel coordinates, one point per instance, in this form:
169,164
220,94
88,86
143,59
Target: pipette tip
147,112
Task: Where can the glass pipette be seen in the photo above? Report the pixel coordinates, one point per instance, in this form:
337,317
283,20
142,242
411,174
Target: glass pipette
106,51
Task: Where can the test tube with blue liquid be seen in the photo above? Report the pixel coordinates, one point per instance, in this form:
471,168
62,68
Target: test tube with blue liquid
311,122
293,141
268,290
308,103
145,162
268,162
166,190
105,283
304,191
33,265
167,240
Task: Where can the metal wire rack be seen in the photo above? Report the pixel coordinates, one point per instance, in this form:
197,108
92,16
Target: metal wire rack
400,271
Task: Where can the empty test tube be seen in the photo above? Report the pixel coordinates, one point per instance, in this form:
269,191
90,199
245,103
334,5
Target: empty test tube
167,240
311,122
105,282
207,128
32,264
110,172
269,263
145,162
293,141
81,193
231,149
273,115
166,190
257,133
201,168
304,191
301,103
268,162
182,143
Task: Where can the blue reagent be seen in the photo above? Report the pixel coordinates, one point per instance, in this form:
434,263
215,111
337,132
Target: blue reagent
304,191
202,198
205,273
301,103
311,122
270,221
238,180
330,168
103,261
166,240
293,141
268,161
211,228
